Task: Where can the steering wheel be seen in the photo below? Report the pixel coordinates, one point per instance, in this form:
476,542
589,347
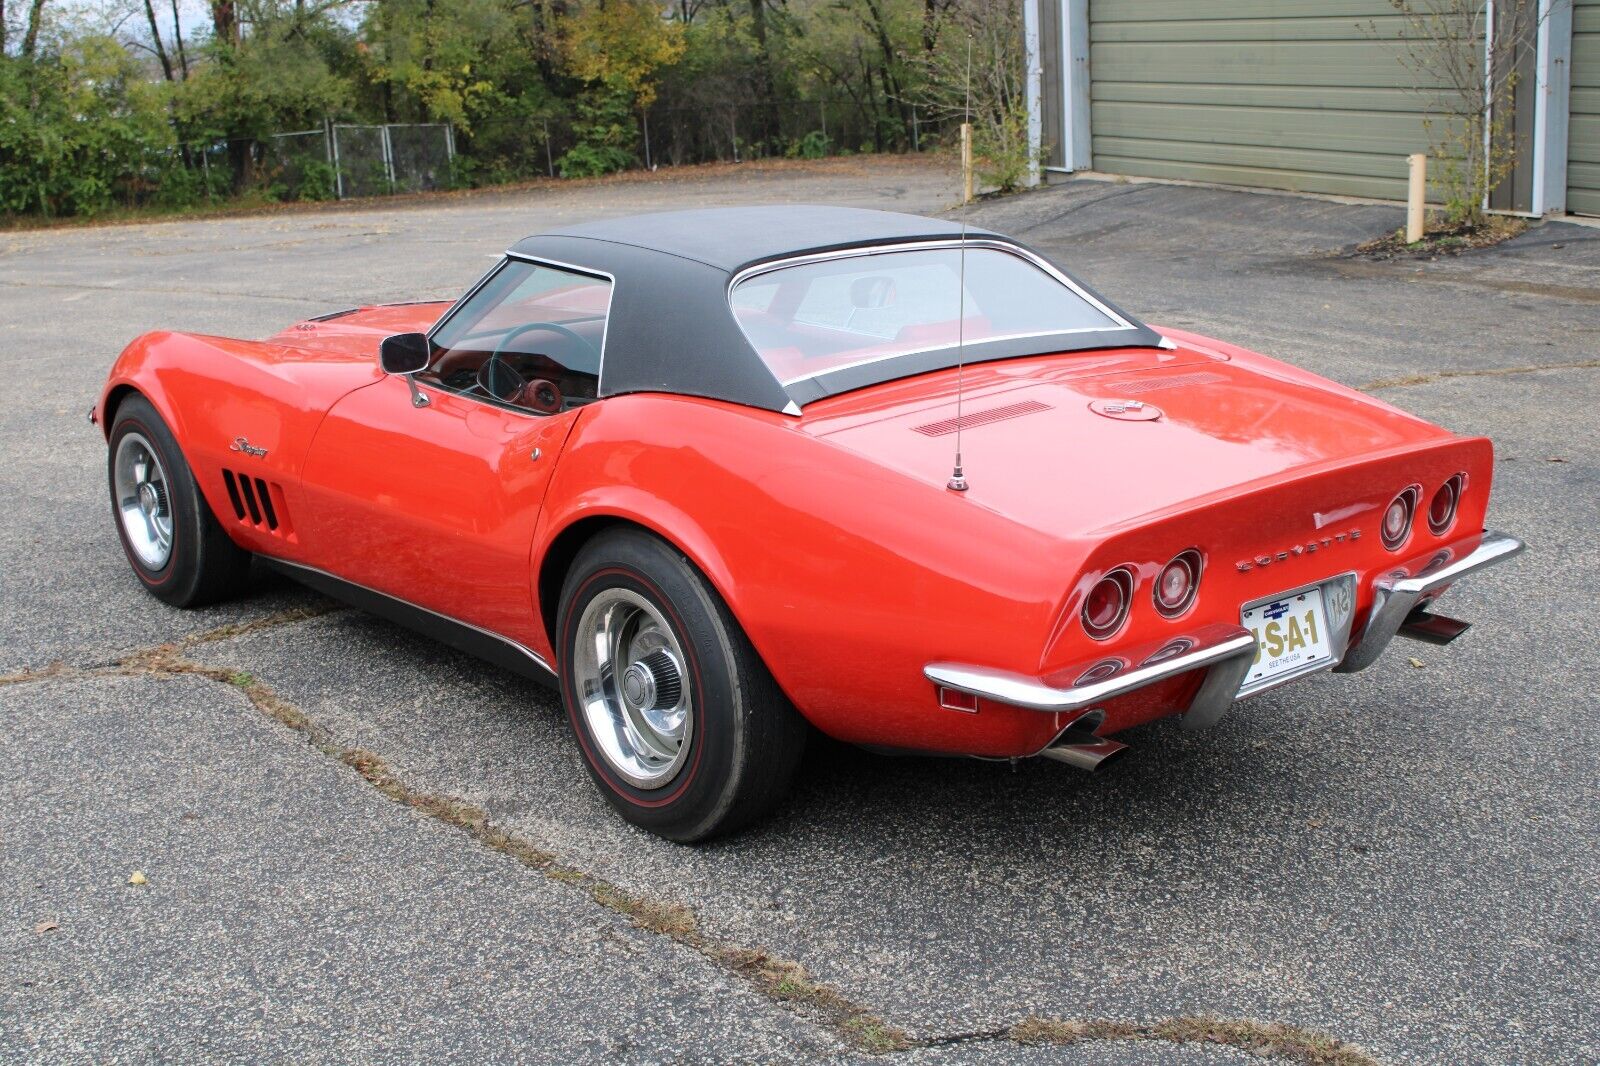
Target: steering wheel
539,394
449,362
548,327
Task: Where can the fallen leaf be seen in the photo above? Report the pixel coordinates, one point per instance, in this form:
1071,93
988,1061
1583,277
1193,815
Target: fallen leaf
46,927
1417,663
138,878
1314,823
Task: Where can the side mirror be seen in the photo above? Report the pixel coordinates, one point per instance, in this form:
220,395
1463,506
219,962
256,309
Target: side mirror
404,353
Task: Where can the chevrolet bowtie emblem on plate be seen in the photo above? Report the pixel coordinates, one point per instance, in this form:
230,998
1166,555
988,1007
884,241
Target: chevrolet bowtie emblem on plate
240,444
1319,544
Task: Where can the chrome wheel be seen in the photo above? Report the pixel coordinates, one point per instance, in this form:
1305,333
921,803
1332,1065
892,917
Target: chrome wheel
144,504
633,688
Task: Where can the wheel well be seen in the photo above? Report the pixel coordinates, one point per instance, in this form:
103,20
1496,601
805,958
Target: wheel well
558,560
113,401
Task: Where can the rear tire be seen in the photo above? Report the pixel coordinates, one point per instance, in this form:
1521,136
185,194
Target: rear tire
178,549
679,721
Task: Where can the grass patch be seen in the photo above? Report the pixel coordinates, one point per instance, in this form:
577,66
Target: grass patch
1260,1038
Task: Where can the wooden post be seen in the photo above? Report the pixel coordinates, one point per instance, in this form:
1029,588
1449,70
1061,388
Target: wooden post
1416,212
966,162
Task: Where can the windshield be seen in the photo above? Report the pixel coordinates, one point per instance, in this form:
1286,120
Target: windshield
543,324
816,318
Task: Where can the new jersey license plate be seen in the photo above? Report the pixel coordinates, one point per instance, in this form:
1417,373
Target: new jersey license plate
1291,637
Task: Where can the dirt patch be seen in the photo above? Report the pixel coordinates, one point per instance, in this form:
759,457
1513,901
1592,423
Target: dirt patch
1445,241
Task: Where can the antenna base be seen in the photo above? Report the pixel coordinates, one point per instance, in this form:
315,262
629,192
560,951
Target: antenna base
957,482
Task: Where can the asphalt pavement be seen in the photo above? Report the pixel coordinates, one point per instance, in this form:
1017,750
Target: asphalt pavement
1399,865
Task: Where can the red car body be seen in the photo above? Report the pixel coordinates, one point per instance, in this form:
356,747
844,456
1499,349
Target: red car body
892,611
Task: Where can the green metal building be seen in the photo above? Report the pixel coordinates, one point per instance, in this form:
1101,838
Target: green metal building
1304,95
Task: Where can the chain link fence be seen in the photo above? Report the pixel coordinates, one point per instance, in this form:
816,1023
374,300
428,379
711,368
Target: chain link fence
729,131
342,160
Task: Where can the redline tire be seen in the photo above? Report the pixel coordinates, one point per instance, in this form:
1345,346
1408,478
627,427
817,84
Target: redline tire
740,741
201,564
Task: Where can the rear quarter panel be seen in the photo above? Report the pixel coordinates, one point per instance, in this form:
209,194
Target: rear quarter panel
847,577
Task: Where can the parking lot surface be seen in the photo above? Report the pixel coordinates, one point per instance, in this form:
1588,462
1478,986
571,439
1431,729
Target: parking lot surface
355,845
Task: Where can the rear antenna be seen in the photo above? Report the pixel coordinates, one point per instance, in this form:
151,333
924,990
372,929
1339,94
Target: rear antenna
958,479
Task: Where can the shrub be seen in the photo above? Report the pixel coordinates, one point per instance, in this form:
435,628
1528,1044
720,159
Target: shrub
814,145
606,136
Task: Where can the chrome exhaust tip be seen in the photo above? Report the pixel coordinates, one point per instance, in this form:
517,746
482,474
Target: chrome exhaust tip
1090,754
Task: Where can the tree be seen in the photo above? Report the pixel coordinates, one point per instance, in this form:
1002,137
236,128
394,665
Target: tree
30,36
620,48
155,37
623,45
281,76
976,68
1443,44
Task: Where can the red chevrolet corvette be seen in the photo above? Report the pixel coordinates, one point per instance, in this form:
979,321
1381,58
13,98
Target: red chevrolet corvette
726,475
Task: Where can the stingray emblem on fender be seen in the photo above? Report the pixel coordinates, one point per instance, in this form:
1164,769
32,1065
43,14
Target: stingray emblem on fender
240,444
1319,544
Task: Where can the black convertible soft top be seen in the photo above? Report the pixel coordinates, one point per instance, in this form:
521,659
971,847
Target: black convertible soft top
671,326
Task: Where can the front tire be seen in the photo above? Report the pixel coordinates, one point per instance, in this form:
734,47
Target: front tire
679,721
178,549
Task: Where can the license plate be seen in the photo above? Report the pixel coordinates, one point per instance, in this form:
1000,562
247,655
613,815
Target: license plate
1291,637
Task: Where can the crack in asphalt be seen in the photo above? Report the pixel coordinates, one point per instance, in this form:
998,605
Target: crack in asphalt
780,981
1274,1039
1486,372
114,665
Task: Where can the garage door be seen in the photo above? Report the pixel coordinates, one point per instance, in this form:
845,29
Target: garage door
1583,135
1287,94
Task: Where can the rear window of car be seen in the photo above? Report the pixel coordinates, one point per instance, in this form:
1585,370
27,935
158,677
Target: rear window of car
813,318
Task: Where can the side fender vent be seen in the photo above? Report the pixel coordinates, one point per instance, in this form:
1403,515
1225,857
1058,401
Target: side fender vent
981,418
258,503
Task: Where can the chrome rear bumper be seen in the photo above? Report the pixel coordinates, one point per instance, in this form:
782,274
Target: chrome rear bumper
1225,652
1398,594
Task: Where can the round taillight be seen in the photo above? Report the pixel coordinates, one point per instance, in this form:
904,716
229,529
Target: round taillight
1106,606
1397,519
1177,583
1442,508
